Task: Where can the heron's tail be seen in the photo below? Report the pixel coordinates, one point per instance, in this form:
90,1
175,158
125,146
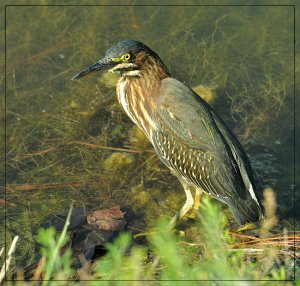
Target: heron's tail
245,211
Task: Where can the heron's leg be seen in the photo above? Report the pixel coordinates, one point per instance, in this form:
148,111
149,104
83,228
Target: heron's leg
198,196
185,208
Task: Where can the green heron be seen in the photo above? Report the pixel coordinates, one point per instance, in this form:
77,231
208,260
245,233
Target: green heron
187,134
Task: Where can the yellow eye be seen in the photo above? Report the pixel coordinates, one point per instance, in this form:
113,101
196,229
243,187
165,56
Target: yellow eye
125,57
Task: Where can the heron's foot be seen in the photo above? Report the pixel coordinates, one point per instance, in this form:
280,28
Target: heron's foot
194,214
197,202
173,221
198,197
147,233
195,210
188,206
245,227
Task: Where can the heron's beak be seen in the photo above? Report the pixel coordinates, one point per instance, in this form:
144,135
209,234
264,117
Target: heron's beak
103,64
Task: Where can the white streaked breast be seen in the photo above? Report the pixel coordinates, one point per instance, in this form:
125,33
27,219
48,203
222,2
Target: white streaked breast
122,98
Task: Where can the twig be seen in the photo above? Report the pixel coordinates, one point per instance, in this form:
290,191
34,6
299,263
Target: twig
39,270
49,50
8,259
43,53
271,240
244,236
259,250
91,145
109,148
29,187
3,202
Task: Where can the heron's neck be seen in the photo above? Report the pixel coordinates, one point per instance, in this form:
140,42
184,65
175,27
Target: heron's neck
136,95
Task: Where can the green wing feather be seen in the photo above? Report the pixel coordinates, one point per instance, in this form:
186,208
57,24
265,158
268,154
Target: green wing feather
190,142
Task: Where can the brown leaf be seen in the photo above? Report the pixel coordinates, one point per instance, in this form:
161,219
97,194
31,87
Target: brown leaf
107,219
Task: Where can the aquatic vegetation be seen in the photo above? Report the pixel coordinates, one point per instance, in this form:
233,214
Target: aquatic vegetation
219,254
205,92
118,162
138,139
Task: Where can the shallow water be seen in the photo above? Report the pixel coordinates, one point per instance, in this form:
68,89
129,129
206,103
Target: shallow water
58,129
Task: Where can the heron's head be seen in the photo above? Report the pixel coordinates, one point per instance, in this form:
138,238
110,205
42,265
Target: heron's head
128,58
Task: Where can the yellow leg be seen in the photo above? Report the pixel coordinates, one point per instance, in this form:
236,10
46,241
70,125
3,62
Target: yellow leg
198,196
185,208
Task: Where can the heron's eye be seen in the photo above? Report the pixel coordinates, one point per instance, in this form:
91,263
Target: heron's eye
125,57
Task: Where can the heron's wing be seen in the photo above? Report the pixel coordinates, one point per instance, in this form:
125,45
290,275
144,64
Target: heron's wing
190,142
241,159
